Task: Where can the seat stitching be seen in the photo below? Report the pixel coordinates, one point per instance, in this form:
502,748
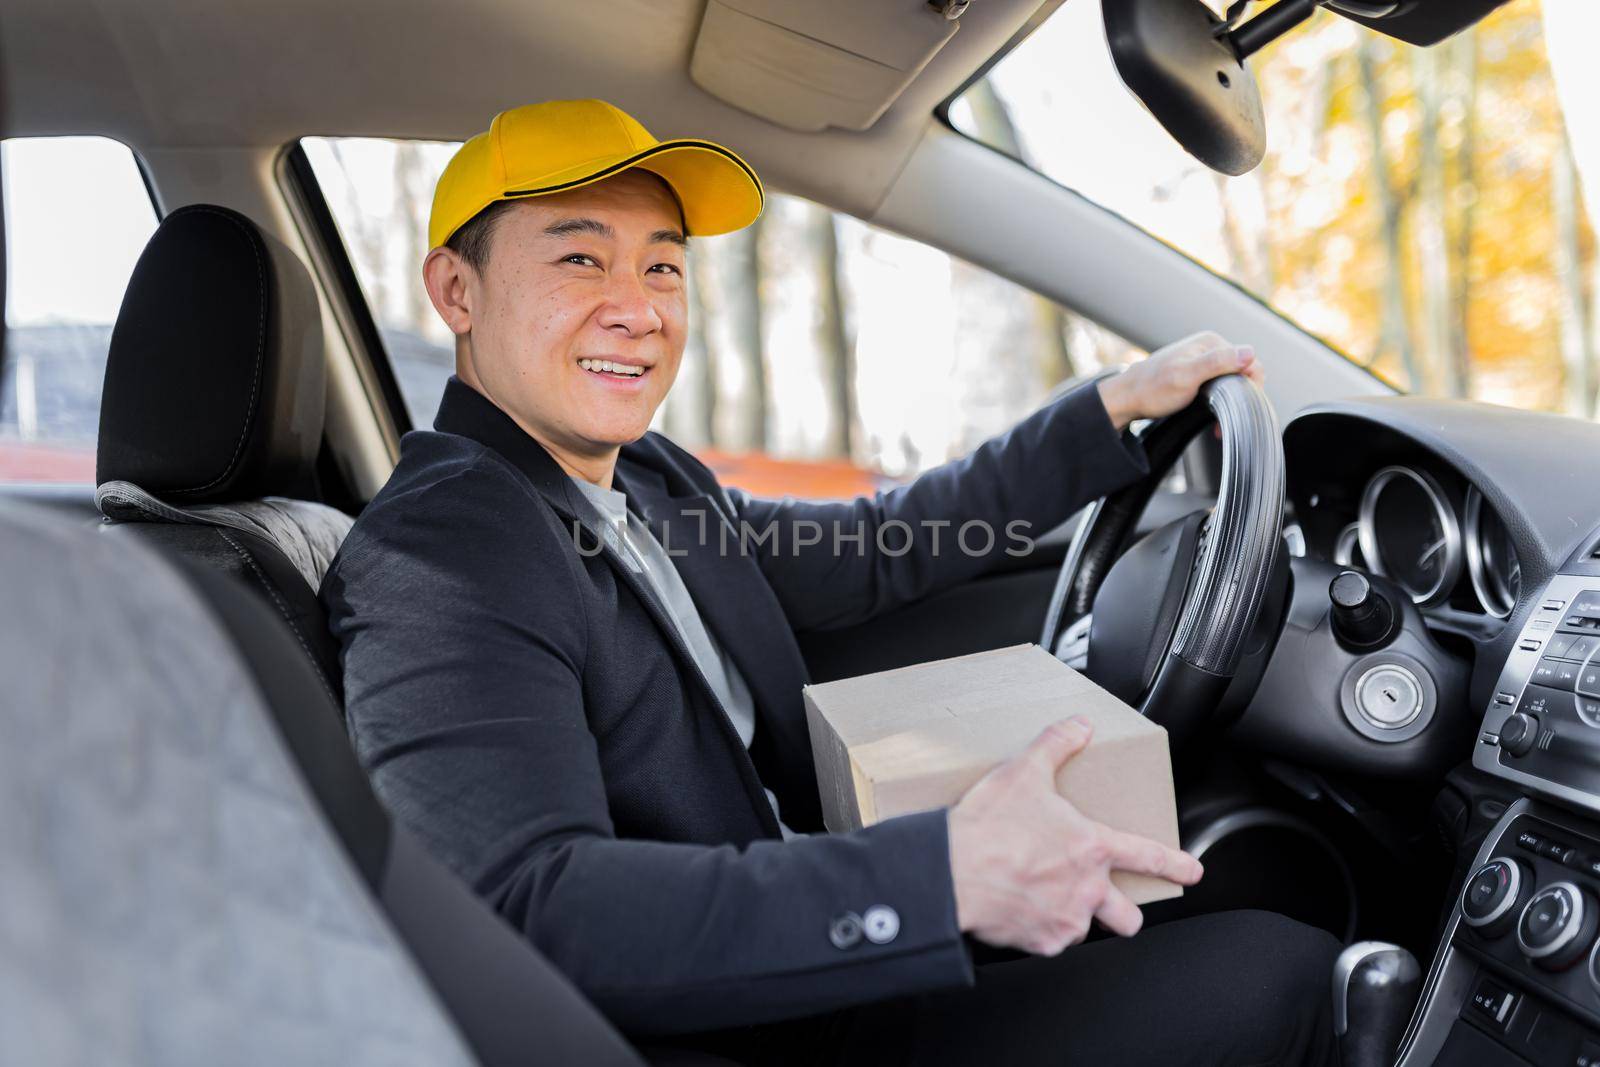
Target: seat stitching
261,345
283,609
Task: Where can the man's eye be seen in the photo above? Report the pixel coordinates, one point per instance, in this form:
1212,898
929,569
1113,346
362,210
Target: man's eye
580,259
671,268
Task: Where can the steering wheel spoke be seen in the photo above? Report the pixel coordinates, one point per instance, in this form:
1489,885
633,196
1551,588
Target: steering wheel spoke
1073,646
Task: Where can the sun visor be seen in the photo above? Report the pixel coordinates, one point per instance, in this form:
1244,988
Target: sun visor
808,66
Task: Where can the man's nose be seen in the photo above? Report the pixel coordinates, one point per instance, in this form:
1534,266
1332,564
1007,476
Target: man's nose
628,308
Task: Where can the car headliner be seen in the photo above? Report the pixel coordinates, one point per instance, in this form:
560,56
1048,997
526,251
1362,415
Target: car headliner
179,74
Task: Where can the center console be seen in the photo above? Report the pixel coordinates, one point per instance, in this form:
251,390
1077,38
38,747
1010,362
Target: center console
1516,979
1517,976
1542,726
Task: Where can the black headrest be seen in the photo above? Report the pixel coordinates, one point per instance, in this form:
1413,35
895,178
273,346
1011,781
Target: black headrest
215,383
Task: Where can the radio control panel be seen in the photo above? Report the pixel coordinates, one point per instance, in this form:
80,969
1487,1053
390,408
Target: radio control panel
1542,726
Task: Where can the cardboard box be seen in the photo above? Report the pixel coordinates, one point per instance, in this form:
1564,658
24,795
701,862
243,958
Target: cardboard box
917,738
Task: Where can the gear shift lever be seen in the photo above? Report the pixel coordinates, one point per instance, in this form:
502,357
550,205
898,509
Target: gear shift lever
1375,987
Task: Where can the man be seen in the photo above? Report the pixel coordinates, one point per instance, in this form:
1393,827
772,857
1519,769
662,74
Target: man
570,666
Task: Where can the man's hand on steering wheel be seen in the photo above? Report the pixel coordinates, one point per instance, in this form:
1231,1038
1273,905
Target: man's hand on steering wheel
1171,378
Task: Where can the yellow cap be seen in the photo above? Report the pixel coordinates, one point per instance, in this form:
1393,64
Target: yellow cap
558,145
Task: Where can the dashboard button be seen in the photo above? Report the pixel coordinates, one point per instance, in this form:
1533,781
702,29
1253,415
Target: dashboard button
1494,1003
1582,647
1581,861
1560,646
1553,604
1529,644
1555,850
1529,840
1587,603
1589,680
1555,673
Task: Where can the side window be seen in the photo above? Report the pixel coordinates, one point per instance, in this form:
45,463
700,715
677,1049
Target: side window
826,357
77,216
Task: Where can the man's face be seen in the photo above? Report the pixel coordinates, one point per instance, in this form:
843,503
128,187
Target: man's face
575,282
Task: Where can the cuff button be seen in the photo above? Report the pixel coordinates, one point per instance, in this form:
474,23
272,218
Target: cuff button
880,924
844,930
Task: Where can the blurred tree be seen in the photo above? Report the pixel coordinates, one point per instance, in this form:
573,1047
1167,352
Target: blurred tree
995,128
1571,27
740,299
836,348
1394,333
365,229
413,192
689,413
1464,196
1577,342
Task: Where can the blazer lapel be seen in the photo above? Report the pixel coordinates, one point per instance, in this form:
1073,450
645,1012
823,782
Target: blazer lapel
739,608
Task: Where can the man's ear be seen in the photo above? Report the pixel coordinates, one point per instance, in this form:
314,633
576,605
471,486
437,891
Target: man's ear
445,275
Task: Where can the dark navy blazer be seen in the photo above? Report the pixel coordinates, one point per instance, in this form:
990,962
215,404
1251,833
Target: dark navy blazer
523,702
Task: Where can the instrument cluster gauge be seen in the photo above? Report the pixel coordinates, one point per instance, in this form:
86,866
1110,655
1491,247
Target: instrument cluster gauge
1347,547
1492,562
1409,534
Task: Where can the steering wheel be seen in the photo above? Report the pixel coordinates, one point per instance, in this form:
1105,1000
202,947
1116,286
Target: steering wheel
1166,623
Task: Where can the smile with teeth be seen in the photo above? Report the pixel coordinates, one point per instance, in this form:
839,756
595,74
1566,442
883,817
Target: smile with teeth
605,366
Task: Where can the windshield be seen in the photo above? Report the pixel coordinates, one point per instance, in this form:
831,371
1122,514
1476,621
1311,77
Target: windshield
1421,210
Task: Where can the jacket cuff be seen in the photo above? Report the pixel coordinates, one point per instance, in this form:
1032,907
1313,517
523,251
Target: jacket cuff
1122,456
914,852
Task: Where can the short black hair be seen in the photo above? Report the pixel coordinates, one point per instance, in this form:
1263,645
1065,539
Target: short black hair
471,241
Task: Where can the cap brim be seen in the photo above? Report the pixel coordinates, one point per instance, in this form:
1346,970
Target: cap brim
719,191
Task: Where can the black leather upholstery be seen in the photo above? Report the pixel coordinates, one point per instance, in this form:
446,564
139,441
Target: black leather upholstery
215,384
215,393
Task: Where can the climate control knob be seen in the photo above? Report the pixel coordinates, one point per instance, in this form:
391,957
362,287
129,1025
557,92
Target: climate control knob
1494,895
1556,926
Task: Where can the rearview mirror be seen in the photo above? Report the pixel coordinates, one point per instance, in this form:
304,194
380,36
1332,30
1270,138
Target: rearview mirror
1176,57
1187,66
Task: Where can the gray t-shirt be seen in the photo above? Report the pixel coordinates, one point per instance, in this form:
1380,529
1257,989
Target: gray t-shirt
642,552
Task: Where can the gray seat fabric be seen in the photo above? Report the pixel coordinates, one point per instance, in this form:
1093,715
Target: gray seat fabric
169,893
308,534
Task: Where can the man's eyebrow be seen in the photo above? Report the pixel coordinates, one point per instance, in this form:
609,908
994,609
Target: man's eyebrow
669,237
573,227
